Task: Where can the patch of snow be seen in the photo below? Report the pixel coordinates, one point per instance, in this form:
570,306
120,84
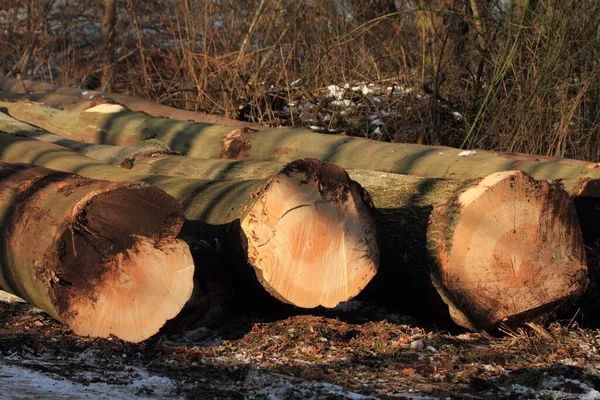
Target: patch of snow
260,386
336,92
343,103
10,298
399,90
466,153
554,387
364,89
417,345
296,82
22,383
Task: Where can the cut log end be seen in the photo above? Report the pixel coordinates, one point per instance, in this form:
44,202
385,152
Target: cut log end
516,248
311,235
146,275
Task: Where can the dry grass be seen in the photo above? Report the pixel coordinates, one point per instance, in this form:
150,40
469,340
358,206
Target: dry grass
524,78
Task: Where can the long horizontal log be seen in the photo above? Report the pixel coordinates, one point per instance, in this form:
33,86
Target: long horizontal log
276,224
410,267
80,99
112,124
102,257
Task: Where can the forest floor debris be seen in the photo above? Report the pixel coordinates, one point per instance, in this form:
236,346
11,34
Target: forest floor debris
358,351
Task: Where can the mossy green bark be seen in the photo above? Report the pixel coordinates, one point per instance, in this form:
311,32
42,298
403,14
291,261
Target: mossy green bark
284,144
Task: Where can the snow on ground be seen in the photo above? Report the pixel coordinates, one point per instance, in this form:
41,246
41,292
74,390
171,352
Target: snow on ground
10,298
552,388
17,382
275,388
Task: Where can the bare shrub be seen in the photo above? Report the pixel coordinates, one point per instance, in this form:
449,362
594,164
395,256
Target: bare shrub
518,76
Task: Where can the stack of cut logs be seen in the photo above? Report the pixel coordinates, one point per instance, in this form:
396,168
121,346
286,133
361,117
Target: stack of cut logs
115,212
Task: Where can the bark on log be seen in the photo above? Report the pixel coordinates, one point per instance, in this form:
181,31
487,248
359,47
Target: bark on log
518,216
308,230
79,99
102,257
112,124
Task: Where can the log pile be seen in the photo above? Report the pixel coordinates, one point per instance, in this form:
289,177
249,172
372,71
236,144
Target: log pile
271,223
458,236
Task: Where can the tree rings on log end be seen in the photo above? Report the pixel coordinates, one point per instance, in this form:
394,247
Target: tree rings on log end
121,271
509,248
311,235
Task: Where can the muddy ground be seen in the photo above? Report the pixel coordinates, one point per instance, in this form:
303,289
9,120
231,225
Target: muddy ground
357,351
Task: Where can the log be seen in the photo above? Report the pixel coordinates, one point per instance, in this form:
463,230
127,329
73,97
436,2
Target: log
79,99
308,230
410,268
113,124
488,234
101,257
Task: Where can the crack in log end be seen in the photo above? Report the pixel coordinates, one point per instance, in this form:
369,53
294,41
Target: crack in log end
236,145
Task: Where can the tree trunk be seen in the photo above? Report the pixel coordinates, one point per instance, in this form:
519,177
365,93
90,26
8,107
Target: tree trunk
109,21
308,230
409,267
101,257
512,230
